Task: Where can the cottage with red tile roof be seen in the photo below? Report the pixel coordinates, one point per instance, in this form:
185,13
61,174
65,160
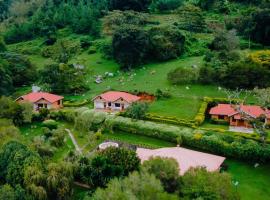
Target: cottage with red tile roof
42,100
114,100
237,116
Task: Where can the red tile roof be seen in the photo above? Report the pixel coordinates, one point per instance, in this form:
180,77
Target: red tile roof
114,95
228,110
36,96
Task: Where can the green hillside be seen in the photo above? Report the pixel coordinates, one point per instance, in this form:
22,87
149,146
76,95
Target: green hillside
190,55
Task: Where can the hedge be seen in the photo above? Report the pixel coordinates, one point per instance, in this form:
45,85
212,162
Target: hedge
225,145
200,117
76,104
252,136
170,120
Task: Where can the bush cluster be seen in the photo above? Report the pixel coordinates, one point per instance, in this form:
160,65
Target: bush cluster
165,5
133,45
51,124
89,119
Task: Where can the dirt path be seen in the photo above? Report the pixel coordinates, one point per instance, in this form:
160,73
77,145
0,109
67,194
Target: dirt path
78,149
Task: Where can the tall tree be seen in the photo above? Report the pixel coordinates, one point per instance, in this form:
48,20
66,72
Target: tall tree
130,46
197,183
59,180
138,185
6,82
166,170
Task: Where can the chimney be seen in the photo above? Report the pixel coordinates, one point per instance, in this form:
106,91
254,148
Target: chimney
35,88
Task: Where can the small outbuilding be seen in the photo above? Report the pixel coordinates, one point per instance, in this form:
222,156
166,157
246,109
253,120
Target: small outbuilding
186,158
114,100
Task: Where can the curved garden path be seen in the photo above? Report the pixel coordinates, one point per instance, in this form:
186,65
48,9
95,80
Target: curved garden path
78,149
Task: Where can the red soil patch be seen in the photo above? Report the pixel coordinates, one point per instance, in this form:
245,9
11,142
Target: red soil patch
146,97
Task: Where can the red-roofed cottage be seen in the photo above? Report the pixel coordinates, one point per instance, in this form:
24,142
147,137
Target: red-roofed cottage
42,100
237,116
114,100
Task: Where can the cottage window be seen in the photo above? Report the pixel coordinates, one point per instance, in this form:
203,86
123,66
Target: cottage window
109,104
117,105
221,117
58,102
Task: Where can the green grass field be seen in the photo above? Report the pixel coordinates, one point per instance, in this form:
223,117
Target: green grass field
138,140
184,103
253,182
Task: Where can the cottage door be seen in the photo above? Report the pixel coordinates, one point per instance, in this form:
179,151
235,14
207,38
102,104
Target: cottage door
241,123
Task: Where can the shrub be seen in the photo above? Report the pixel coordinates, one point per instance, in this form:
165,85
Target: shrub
98,135
55,114
164,169
183,75
58,136
89,119
114,19
67,47
164,5
50,123
43,114
260,57
162,95
137,110
85,42
67,115
92,50
179,140
46,132
124,158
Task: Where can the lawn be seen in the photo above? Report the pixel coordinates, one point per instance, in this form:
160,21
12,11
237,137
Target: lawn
208,124
139,140
253,182
29,131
